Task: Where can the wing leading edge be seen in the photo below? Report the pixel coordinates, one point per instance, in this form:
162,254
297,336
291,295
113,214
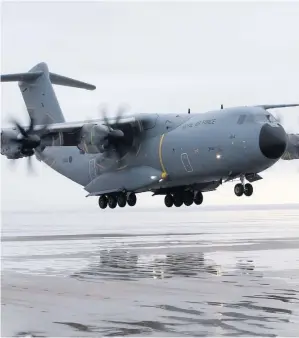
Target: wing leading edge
274,106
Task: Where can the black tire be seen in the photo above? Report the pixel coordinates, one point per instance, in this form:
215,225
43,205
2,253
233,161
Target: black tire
198,198
248,189
103,202
188,198
239,189
112,202
121,200
131,199
168,201
178,199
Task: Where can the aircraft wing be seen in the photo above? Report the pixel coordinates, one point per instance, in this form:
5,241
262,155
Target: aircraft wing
87,134
73,126
274,106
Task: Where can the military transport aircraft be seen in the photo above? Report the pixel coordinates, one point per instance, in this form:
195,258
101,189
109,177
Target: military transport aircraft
176,155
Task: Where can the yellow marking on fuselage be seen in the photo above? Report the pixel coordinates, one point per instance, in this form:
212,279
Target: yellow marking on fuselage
85,147
160,153
91,134
121,168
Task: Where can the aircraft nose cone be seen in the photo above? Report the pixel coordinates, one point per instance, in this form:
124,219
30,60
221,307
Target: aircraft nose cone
273,141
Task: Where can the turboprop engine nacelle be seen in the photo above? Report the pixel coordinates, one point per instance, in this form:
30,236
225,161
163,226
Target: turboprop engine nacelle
95,138
91,138
10,149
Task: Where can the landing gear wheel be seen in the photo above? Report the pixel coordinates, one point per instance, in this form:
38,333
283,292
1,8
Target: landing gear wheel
248,189
178,200
188,198
131,199
121,200
198,198
239,189
168,201
103,202
112,202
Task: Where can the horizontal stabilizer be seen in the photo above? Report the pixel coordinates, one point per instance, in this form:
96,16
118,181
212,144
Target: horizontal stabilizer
67,81
273,106
26,77
56,79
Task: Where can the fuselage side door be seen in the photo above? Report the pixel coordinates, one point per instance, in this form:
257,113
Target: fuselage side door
186,162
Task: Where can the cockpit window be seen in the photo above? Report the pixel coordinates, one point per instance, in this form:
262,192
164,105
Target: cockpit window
260,118
241,119
265,118
271,118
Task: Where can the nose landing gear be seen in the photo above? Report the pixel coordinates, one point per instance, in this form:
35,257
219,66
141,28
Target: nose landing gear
248,189
243,189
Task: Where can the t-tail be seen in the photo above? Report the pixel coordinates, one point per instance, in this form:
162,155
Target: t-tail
39,95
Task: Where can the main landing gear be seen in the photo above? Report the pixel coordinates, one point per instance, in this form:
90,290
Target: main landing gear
185,197
243,189
121,199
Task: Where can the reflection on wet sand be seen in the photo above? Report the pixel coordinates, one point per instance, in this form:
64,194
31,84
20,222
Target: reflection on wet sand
226,316
215,274
126,265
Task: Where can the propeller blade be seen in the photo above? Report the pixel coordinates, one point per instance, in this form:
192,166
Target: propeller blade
120,112
103,115
116,133
30,130
19,127
12,164
30,168
16,140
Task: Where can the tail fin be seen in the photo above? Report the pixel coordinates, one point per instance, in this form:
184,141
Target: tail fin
38,92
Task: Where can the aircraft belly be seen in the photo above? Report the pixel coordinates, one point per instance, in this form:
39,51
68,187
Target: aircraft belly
129,179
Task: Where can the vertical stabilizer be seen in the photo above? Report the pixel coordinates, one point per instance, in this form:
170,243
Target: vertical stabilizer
39,95
40,98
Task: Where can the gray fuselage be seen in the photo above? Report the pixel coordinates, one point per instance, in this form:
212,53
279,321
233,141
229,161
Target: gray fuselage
191,149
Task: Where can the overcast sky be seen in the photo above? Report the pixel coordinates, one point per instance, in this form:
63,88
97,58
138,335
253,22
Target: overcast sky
155,57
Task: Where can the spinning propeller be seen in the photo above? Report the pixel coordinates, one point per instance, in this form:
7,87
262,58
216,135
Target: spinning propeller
119,137
30,139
